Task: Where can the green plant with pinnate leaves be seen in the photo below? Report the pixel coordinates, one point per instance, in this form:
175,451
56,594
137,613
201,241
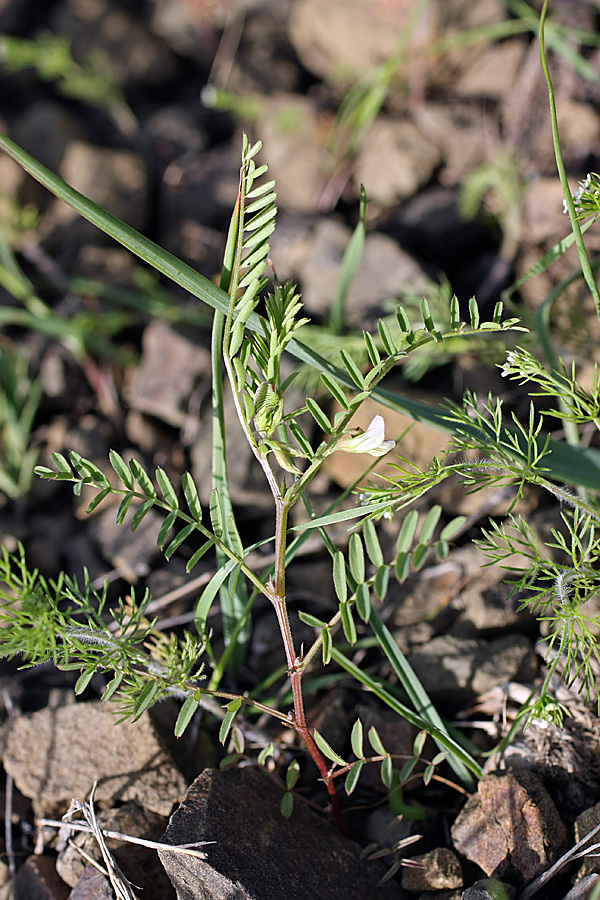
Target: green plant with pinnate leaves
74,625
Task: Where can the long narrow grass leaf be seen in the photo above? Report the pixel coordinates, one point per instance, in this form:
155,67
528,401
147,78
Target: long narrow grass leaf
415,690
457,752
209,593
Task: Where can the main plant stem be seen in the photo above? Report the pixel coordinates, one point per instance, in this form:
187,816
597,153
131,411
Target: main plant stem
276,589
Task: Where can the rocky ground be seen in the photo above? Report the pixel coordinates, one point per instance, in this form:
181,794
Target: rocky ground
146,119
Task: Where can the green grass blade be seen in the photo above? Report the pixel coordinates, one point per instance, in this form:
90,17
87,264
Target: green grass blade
562,173
232,604
350,262
415,690
458,758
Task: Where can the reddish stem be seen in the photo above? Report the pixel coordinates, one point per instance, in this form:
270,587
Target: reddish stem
277,596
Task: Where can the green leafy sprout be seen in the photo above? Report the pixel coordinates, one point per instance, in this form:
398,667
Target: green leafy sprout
74,627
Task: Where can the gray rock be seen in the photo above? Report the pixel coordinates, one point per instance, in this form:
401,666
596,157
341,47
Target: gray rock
584,823
510,827
292,135
489,889
131,553
343,38
259,855
114,179
45,130
566,757
442,870
171,367
55,755
583,889
132,53
199,189
440,895
395,162
312,255
92,885
37,880
453,668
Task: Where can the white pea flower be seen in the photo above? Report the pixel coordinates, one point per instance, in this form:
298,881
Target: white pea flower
371,441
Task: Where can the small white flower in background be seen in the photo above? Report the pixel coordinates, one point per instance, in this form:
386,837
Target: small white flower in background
583,187
371,441
507,368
